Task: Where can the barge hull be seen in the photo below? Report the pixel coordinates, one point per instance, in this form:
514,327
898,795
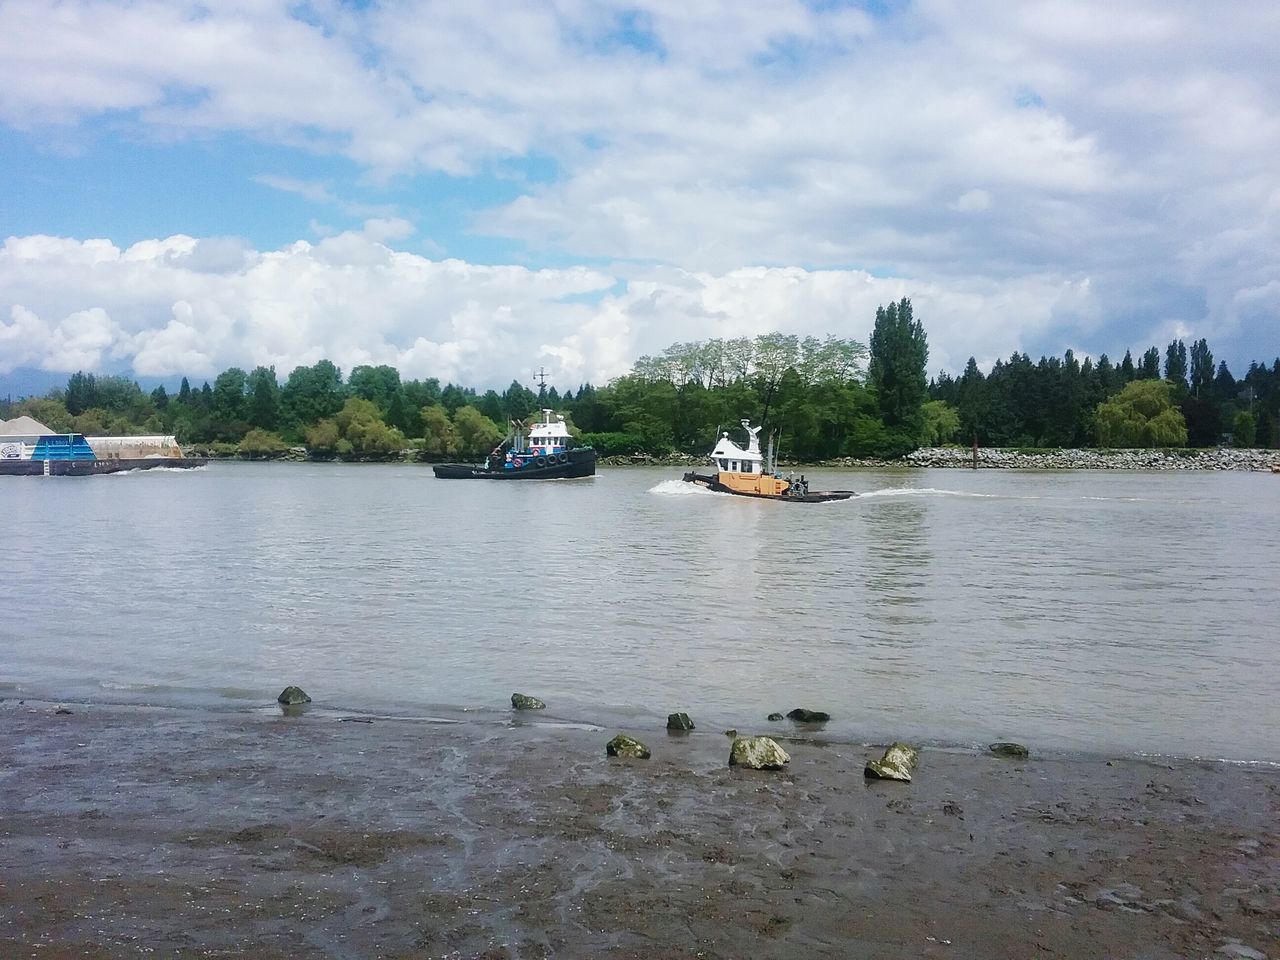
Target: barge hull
90,468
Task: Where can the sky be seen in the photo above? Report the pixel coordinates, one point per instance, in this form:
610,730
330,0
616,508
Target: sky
476,191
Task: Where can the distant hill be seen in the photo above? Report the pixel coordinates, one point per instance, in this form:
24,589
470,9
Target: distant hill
30,382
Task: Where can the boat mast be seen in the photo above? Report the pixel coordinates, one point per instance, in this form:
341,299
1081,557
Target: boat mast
541,377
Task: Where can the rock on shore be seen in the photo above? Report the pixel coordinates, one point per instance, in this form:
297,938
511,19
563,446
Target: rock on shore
1222,458
757,753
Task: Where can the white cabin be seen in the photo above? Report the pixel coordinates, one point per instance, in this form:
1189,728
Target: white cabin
730,457
547,436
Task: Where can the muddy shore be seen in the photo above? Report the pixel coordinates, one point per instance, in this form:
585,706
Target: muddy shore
128,831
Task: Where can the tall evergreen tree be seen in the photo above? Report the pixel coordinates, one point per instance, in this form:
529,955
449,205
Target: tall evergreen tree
1127,371
1201,370
1175,364
1224,384
1149,368
899,356
81,393
264,398
1108,378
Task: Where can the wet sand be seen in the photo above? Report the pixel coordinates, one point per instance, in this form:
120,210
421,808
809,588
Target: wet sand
128,831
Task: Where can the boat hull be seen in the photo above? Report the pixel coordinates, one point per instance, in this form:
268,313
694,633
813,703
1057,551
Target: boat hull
89,468
577,464
712,482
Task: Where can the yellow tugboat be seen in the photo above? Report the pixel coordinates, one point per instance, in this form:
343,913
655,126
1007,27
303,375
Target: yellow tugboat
747,473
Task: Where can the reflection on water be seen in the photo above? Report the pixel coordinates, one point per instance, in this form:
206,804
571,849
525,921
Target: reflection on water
1103,612
899,565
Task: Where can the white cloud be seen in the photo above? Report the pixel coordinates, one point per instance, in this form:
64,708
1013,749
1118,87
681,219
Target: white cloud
354,300
1091,168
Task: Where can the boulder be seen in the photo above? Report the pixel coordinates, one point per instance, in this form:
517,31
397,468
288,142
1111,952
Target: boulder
757,753
896,764
292,696
679,721
801,715
624,746
520,701
775,716
1005,748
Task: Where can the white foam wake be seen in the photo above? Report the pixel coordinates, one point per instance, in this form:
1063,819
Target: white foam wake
679,488
922,492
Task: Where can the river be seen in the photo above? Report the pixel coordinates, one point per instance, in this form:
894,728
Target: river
1094,612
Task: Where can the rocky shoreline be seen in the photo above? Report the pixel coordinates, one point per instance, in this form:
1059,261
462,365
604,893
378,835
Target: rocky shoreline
292,834
989,458
1220,458
996,458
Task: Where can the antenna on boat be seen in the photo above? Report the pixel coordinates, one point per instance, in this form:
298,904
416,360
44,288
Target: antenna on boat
541,377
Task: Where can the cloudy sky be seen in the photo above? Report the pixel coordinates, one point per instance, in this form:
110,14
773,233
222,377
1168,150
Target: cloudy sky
473,190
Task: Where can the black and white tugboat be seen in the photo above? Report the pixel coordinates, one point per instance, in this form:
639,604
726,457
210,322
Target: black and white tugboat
748,473
546,453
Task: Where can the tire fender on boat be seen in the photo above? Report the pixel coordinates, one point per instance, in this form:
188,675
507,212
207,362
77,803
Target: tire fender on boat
562,457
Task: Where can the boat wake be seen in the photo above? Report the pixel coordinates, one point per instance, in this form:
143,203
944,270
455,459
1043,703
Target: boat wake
138,471
679,488
924,492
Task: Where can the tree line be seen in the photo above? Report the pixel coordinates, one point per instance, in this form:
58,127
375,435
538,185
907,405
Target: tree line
1180,399
828,398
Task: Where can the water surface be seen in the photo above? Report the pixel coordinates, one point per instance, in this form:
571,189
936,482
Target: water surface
1099,612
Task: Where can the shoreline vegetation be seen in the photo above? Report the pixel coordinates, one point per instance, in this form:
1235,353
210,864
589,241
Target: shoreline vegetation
826,401
296,832
1180,458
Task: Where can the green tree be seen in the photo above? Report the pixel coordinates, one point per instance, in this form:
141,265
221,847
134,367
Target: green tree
1224,384
1128,372
899,358
311,394
941,423
264,398
355,431
439,438
324,439
1201,370
518,401
476,433
1244,433
376,384
1149,369
94,422
1175,364
1141,415
229,394
363,431
261,444
50,411
81,393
